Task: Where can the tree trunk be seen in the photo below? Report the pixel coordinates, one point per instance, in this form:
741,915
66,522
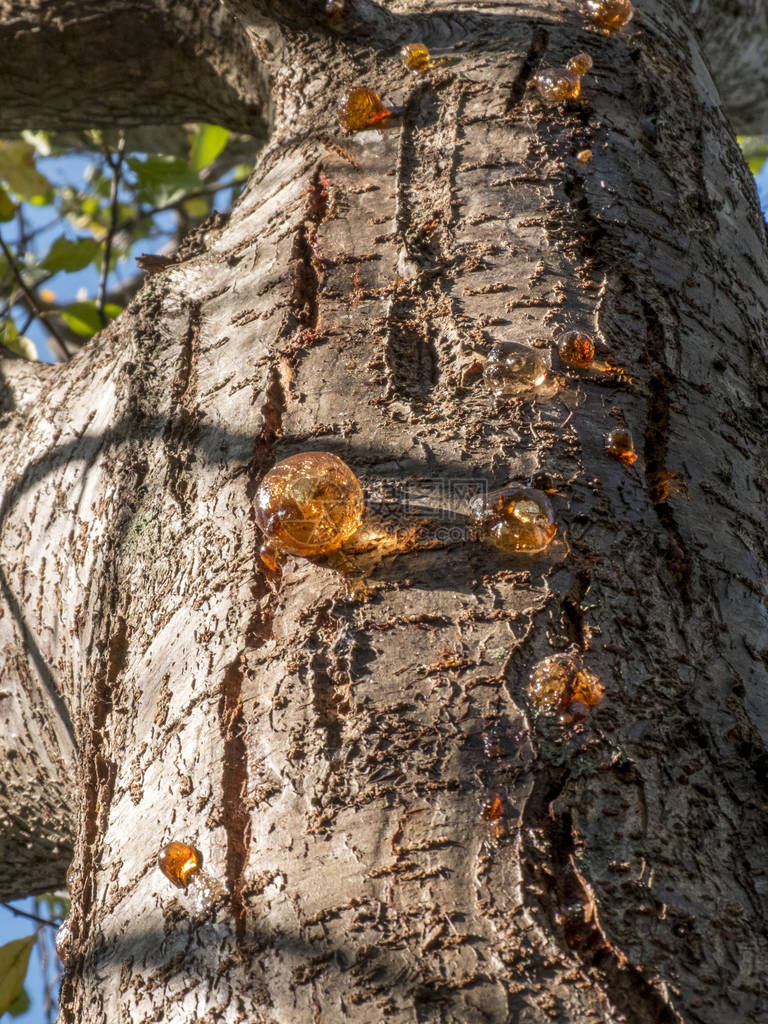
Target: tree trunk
331,751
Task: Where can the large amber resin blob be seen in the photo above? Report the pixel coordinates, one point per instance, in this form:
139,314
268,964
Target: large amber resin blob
309,504
516,519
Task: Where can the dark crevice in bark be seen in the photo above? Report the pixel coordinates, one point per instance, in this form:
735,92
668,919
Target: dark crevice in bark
655,445
181,433
536,48
567,907
420,328
98,787
234,788
307,266
325,700
572,611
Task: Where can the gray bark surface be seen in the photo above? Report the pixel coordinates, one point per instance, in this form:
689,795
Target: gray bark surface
325,750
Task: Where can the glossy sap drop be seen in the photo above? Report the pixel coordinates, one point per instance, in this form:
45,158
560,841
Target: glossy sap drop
179,862
361,108
518,519
561,683
556,85
308,505
512,370
416,58
608,15
620,445
576,349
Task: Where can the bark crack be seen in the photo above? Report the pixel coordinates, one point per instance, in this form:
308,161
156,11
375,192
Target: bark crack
567,906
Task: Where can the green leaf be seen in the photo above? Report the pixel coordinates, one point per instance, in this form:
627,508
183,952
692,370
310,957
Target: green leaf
71,256
20,1005
14,960
207,144
11,339
83,317
7,206
18,171
163,180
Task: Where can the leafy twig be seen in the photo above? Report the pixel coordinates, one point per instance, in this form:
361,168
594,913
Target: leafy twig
116,163
31,298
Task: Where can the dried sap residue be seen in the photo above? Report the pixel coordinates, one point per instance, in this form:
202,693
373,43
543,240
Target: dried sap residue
562,684
512,370
308,505
416,57
620,445
516,519
576,350
362,108
179,862
608,15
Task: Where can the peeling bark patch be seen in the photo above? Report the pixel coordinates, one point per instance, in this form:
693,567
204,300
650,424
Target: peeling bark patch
538,44
234,785
568,908
655,446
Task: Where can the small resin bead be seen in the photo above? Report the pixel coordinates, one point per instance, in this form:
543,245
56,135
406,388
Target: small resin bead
308,505
416,57
517,519
362,108
584,156
513,369
555,85
561,683
179,862
608,15
580,64
576,349
619,443
494,809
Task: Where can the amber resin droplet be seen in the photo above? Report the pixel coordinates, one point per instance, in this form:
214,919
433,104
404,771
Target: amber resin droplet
608,15
580,64
516,519
619,443
576,349
416,57
512,369
362,108
494,809
555,85
179,862
562,684
584,156
308,505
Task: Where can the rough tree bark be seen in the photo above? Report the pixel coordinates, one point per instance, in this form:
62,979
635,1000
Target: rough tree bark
325,752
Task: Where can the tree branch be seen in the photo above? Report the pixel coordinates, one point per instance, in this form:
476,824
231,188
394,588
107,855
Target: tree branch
69,65
734,39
